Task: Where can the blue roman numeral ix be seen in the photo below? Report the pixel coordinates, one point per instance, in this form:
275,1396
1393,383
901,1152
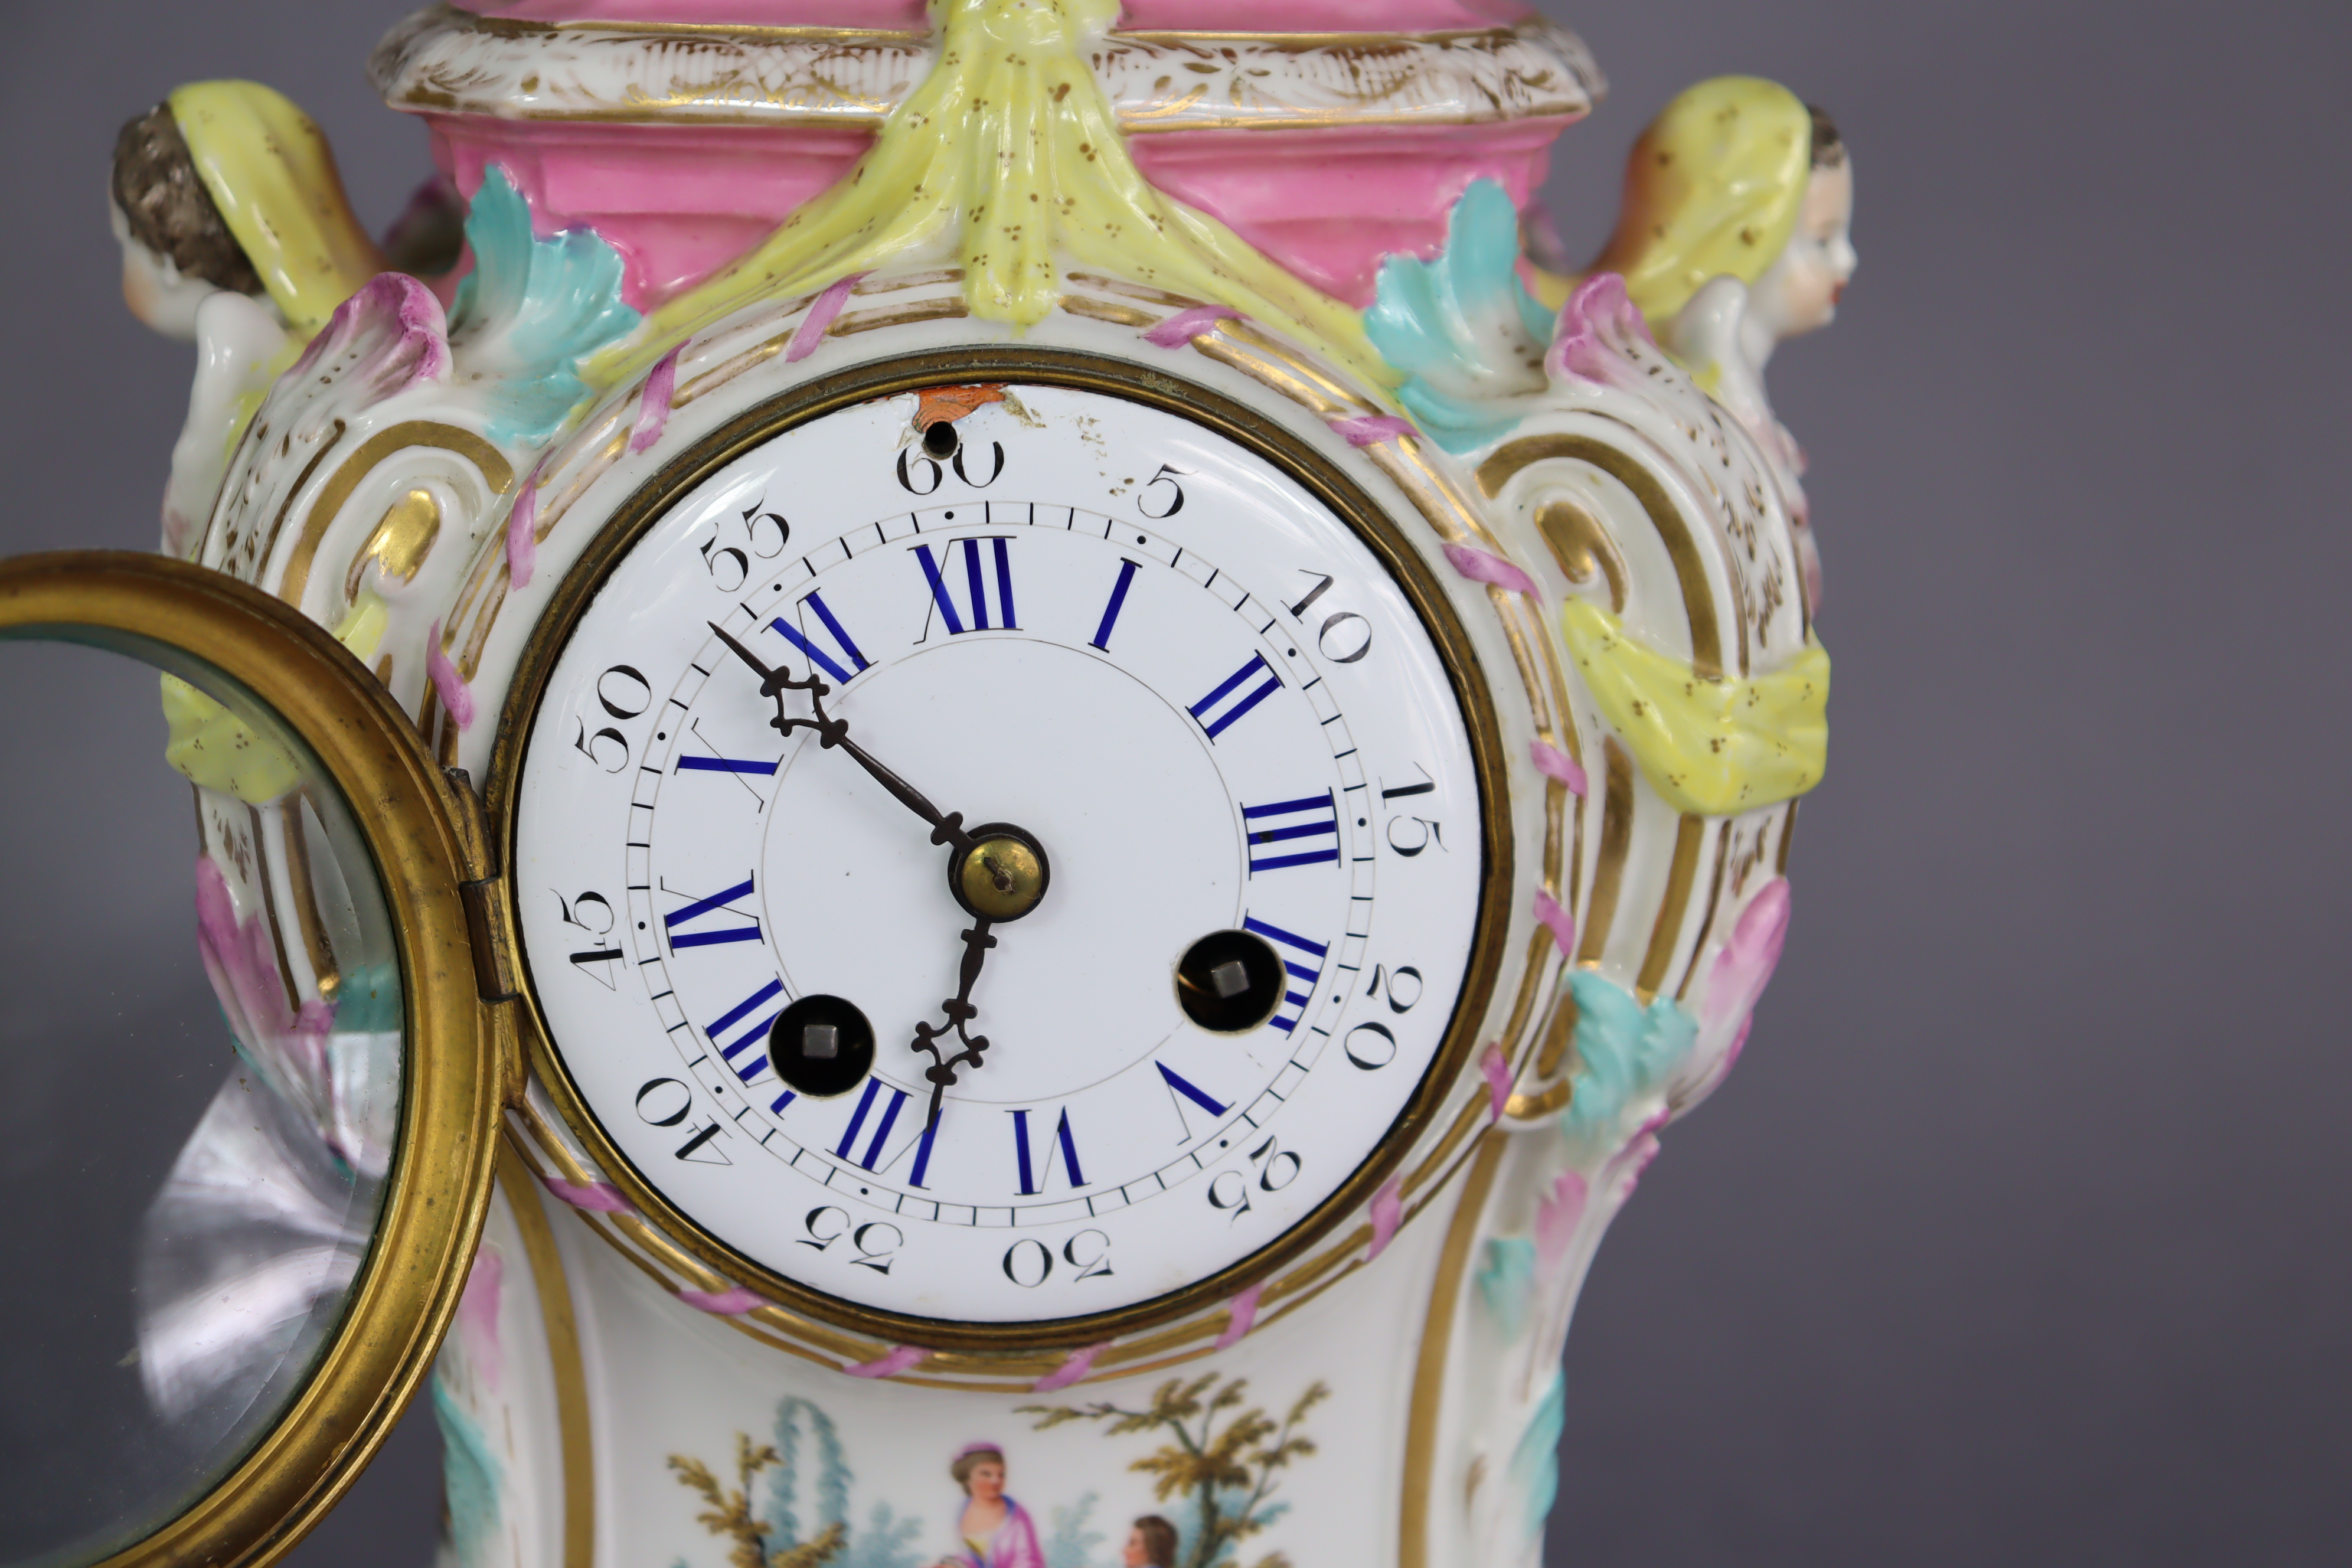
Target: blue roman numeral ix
679,940
1287,822
974,585
816,656
1295,1000
1239,705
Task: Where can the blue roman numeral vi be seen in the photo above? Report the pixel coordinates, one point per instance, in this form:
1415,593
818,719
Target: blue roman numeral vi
1030,1177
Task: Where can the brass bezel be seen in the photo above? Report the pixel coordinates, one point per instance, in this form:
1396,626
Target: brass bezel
439,1186
1019,365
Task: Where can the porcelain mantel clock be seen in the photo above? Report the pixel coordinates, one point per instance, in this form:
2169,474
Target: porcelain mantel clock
1107,762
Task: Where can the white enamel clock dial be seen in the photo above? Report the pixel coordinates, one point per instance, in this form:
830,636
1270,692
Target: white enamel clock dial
1146,645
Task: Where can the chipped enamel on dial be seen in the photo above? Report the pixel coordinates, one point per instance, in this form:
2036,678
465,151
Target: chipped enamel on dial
1146,646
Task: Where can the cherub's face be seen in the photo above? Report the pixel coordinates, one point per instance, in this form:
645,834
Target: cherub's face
987,1482
155,291
1798,293
1135,1555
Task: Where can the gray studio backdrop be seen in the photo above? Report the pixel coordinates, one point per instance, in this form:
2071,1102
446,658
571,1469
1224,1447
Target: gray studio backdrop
2019,1233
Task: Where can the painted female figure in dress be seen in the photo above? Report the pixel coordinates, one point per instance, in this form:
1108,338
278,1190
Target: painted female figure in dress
995,1531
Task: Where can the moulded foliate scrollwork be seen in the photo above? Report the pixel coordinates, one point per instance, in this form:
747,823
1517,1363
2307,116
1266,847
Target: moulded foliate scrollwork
1661,532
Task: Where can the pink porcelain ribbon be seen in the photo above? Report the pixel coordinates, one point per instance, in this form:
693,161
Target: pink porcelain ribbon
1557,1217
1080,1364
522,540
729,1303
1480,566
597,1198
890,1365
653,408
1598,319
1387,1213
454,696
1374,430
1496,1068
1185,325
1735,982
1561,924
1555,763
1244,1317
820,318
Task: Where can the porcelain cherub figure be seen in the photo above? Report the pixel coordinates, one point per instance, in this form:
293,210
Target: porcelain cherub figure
1733,235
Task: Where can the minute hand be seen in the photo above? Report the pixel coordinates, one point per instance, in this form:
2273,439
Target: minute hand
947,827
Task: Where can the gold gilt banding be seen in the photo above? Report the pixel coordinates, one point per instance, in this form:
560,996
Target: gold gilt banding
1436,1338
1690,838
1690,571
574,1432
303,891
1583,547
255,548
1713,901
495,468
400,542
897,316
1116,314
1558,1033
1616,842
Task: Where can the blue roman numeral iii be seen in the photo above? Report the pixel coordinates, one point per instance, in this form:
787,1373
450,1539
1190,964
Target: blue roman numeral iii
1289,833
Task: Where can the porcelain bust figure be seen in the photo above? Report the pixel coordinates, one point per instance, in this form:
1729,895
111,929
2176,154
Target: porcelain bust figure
1105,788
1734,236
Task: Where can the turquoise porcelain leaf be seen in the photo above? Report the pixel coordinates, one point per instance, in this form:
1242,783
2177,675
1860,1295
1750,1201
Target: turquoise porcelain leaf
530,311
1534,1458
1507,1282
1624,1052
1464,327
470,1479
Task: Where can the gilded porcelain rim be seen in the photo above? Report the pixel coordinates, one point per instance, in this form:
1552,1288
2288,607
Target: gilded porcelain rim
1101,373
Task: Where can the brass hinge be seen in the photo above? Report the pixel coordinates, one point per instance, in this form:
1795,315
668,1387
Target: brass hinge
489,923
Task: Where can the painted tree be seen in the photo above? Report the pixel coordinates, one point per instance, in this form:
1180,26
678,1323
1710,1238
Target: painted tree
729,1514
1225,1462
